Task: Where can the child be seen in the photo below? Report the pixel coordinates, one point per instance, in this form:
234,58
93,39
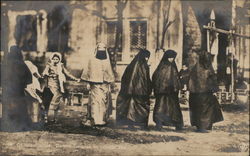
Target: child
55,72
184,76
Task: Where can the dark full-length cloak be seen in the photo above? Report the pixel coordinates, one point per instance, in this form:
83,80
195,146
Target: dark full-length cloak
204,107
133,100
166,85
15,103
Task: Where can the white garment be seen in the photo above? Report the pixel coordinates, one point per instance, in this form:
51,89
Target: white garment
35,85
98,70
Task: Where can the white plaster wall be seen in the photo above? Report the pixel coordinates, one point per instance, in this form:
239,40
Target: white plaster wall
175,32
82,37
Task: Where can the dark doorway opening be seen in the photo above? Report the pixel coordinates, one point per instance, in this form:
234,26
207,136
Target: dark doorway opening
26,32
223,18
58,29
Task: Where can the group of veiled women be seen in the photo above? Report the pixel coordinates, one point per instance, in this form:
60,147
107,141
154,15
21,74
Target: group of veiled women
133,101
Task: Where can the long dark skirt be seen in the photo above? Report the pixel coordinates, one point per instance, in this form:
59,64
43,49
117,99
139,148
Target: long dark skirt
132,110
204,110
167,110
15,114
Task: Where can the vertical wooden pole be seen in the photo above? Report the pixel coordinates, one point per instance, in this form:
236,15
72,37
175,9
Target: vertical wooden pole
208,39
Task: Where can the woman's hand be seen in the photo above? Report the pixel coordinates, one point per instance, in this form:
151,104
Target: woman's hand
88,86
78,80
62,90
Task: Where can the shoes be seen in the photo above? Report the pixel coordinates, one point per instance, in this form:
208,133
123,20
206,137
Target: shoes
158,127
145,128
202,131
178,128
131,128
88,123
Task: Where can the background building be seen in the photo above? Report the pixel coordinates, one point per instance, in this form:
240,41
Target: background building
75,27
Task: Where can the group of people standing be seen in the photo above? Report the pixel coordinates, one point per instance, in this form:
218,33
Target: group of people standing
133,101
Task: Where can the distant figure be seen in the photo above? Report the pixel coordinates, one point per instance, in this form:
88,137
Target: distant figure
184,73
99,75
166,85
16,77
55,73
133,102
230,71
204,107
184,77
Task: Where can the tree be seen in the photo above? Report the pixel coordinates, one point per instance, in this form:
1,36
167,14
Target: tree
121,4
165,8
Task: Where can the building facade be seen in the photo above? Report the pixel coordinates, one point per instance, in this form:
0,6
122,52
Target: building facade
75,27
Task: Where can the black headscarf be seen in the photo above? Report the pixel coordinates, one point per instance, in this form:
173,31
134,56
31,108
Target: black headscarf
202,75
169,54
136,77
166,77
205,59
101,54
15,54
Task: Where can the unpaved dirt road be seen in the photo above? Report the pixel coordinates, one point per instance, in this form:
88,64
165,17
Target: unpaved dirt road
230,137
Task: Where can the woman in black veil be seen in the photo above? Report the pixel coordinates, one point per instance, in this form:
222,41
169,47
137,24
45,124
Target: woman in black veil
204,107
166,85
133,100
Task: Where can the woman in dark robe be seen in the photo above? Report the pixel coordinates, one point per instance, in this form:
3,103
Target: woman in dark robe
166,85
204,107
15,104
133,100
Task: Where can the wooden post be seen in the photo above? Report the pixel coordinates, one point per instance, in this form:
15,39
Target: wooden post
213,43
126,34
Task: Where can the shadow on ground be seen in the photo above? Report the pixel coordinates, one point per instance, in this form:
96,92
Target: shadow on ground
235,107
236,147
239,128
112,133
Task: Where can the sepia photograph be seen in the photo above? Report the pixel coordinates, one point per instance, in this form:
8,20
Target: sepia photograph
124,77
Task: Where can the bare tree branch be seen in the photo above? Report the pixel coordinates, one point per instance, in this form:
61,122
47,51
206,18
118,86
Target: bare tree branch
166,22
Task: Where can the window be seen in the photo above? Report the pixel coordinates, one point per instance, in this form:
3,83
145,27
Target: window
111,38
26,33
138,35
58,29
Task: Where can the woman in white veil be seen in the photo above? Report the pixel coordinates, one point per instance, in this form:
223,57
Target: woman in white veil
99,75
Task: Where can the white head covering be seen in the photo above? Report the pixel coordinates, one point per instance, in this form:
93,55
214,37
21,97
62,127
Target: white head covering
98,70
62,77
55,53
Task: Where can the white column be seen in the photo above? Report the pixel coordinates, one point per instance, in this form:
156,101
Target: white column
42,39
126,34
12,24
